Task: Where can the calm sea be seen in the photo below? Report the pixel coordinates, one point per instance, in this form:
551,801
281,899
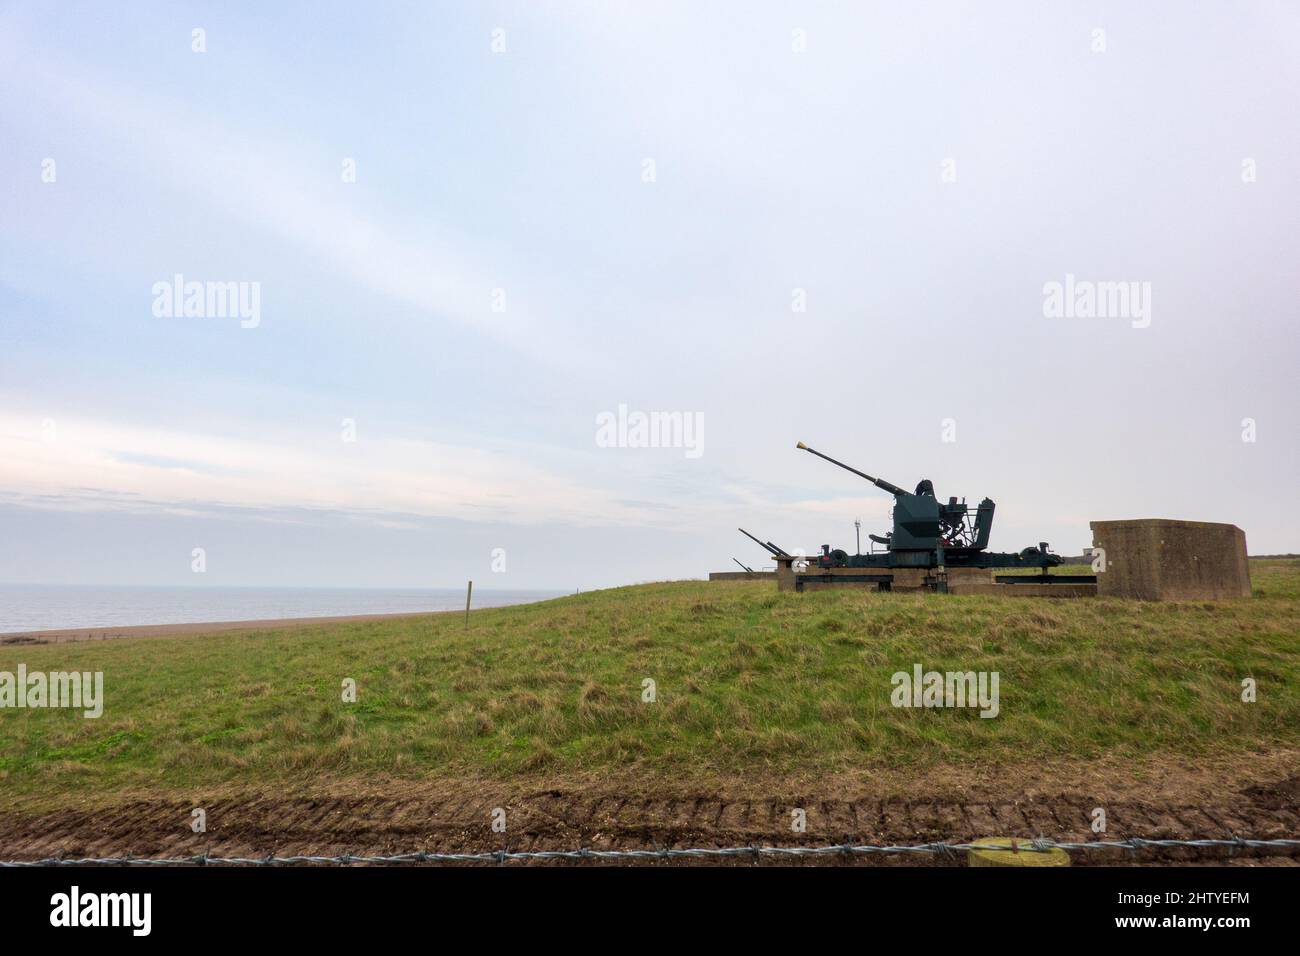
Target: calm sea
41,607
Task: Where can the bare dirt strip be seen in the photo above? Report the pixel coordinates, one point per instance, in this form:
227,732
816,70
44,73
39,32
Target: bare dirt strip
449,817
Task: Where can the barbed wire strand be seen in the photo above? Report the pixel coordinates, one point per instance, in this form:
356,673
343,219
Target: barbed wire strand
506,856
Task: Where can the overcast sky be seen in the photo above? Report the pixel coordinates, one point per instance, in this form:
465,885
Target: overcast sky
832,222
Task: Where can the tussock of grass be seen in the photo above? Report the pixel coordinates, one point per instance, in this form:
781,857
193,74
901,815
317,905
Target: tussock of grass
746,679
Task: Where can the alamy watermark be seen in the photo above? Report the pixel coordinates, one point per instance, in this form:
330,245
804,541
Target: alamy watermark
1086,299
80,690
633,429
130,910
951,689
179,299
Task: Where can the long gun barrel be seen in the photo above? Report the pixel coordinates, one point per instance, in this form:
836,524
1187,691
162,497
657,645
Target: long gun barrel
743,567
767,545
878,482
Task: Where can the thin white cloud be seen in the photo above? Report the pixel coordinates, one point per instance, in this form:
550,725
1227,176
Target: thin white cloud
875,508
93,464
235,174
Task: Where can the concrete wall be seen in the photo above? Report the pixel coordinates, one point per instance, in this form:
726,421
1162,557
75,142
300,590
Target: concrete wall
960,580
1157,559
904,580
741,575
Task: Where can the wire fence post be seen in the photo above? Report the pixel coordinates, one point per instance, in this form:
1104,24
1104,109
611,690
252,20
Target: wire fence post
468,592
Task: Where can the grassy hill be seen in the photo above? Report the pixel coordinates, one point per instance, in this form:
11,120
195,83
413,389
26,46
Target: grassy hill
748,680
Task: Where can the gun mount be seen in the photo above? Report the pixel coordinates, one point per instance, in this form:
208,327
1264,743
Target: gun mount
929,533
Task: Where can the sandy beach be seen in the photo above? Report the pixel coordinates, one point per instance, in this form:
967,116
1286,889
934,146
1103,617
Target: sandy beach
69,635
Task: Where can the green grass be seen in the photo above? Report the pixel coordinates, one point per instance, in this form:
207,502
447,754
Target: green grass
749,681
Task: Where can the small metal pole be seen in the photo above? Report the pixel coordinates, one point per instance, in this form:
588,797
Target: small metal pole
468,591
857,530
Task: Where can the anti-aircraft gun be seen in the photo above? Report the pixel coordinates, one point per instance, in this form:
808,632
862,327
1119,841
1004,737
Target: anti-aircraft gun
930,533
772,549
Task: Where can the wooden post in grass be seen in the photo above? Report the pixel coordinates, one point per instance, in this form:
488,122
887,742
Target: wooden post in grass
468,591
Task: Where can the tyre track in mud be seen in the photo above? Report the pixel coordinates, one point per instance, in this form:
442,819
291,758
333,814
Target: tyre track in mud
256,825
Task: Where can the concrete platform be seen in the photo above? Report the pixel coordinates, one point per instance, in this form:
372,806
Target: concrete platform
959,580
